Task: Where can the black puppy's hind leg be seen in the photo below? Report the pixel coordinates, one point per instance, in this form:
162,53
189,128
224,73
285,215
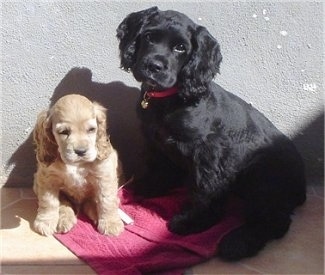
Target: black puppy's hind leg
270,196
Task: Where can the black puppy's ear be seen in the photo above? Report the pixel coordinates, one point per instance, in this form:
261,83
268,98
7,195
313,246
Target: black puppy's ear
202,66
127,33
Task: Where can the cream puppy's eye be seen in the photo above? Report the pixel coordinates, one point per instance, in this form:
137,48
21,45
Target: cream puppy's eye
92,130
64,132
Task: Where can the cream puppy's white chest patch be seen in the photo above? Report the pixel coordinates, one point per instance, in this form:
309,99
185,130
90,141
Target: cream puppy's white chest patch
76,175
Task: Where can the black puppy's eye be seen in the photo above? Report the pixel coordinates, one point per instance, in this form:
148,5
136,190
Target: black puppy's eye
148,37
180,48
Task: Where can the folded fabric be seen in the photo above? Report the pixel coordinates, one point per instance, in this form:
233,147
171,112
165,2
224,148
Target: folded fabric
147,246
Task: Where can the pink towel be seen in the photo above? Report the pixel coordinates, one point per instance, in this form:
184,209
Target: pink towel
147,246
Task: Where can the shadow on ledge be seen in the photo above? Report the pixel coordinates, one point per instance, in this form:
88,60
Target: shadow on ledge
123,126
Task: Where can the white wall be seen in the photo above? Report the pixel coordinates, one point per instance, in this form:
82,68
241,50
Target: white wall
272,58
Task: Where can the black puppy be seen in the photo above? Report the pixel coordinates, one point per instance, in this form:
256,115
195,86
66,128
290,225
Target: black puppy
202,136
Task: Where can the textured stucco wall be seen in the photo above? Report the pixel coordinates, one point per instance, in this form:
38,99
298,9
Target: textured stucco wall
272,53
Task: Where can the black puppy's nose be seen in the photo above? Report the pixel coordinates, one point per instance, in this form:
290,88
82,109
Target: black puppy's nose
80,151
155,66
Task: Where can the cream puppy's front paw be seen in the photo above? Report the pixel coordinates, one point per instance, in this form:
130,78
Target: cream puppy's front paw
46,226
67,219
113,226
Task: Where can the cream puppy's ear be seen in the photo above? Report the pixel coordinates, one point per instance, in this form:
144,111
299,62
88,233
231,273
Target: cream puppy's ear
103,144
46,146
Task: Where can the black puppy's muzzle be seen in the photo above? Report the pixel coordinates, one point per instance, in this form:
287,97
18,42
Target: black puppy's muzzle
156,64
155,70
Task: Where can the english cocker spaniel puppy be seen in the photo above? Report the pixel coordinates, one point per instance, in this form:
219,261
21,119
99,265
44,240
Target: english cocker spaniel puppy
77,168
201,136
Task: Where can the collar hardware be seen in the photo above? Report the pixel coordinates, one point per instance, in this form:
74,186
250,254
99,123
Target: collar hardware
157,94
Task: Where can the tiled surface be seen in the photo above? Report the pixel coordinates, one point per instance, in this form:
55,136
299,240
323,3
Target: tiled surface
25,252
22,250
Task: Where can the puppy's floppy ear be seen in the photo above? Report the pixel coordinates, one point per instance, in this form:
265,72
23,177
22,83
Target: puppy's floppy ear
102,142
202,66
127,33
46,146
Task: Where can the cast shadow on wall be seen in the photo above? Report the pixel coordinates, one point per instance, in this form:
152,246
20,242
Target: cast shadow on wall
123,126
310,143
124,130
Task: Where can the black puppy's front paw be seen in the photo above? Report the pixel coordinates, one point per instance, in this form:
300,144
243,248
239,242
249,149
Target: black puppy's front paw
180,224
193,221
186,223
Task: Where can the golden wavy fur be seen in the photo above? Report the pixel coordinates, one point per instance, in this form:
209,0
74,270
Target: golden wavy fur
77,168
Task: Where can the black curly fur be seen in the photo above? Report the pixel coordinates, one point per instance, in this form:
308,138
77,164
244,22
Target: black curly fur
207,138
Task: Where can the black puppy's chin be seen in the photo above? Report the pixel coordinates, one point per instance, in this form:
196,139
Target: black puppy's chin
155,81
151,84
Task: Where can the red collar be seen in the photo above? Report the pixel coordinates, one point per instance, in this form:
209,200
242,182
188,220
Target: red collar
157,94
164,93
